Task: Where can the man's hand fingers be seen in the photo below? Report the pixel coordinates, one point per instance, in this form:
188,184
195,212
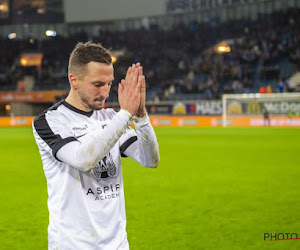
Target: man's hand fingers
121,87
134,80
138,65
140,70
140,82
131,75
128,74
142,85
132,90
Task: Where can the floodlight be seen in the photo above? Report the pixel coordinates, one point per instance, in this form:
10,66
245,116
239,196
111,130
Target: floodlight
12,35
50,33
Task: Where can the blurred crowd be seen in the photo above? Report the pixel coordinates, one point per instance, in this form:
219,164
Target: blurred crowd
178,61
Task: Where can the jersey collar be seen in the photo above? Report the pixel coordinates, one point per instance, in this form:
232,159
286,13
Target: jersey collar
69,106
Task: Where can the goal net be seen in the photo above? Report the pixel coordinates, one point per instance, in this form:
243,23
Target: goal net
277,109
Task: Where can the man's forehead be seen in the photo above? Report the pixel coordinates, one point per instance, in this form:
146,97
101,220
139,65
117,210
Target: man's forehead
100,65
96,68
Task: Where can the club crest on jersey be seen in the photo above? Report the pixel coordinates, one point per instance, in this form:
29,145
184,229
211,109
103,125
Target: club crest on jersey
105,169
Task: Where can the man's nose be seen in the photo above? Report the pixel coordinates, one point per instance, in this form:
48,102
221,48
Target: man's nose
106,91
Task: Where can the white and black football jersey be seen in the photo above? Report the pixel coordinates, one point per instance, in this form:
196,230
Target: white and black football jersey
81,154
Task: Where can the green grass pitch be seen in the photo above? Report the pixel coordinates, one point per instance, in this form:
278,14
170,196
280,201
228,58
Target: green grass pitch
215,188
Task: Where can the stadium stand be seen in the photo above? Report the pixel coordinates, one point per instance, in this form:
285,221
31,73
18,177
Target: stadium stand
181,63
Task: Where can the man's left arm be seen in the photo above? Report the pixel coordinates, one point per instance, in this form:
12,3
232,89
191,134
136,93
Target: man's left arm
141,146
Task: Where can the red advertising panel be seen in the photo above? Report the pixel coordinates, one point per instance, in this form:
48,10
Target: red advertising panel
33,96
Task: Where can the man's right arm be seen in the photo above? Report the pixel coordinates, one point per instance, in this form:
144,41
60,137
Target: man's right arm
92,147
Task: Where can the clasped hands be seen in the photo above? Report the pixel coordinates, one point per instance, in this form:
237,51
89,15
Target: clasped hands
132,91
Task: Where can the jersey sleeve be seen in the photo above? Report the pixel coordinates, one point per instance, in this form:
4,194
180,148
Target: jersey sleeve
127,139
51,132
142,145
84,154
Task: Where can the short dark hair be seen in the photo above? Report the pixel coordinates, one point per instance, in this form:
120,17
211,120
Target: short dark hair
83,53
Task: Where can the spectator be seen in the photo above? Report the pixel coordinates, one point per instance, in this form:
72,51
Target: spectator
262,89
280,85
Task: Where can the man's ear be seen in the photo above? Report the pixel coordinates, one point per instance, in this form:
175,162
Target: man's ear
73,81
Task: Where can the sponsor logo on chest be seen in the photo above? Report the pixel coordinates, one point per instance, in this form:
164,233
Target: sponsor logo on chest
105,169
